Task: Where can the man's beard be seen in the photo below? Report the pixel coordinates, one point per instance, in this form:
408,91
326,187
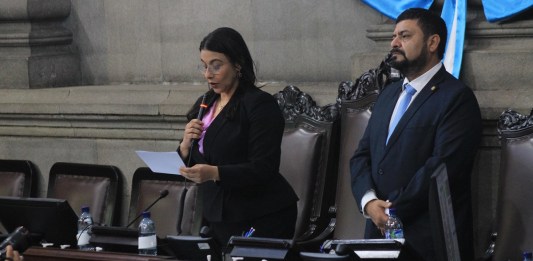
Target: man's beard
407,66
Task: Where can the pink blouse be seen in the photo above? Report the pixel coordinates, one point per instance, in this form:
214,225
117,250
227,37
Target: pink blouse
207,120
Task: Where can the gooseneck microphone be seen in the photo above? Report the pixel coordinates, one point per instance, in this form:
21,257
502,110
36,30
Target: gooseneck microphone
162,194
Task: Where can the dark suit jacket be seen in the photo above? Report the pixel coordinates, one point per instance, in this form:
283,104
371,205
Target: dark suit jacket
443,124
244,142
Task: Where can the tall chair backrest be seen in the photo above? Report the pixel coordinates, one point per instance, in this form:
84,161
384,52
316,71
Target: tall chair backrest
96,186
350,222
308,158
356,100
18,178
514,215
147,187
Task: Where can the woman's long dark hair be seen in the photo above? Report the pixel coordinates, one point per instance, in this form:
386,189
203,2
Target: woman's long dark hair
229,42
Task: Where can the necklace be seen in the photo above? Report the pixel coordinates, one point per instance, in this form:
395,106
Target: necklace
221,106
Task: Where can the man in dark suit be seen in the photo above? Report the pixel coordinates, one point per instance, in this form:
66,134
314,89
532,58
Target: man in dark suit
399,151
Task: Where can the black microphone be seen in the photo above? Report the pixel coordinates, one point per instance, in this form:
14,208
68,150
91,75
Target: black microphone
203,106
201,112
162,194
181,206
18,239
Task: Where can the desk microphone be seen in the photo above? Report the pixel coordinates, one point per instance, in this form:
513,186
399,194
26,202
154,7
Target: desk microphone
162,194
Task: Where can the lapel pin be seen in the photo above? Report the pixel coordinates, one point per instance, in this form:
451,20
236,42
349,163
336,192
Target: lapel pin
433,88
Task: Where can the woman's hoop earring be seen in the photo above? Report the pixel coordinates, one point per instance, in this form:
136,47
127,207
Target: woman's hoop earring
239,74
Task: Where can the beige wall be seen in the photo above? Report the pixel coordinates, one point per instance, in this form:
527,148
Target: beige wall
138,41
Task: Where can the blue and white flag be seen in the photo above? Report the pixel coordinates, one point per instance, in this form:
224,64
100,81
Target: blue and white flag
497,10
394,8
454,14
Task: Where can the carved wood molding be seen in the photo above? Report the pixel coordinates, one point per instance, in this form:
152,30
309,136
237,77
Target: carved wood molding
294,102
370,82
511,121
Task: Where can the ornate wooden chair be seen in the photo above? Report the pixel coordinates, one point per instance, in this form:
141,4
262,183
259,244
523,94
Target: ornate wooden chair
309,152
356,100
514,216
308,158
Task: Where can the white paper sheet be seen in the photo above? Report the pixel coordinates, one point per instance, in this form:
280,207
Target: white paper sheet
162,162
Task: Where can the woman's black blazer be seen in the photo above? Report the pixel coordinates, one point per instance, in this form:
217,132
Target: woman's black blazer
244,142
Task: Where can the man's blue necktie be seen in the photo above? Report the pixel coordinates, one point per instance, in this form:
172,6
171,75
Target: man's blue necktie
402,107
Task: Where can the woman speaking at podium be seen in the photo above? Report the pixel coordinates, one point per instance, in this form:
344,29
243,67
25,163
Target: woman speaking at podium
232,143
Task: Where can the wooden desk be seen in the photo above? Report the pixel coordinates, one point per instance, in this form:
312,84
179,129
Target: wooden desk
55,254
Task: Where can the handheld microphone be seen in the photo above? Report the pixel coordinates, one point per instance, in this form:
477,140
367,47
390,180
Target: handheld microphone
201,112
203,106
181,206
18,239
162,194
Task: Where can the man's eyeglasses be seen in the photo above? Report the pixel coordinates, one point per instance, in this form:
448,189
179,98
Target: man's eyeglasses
211,68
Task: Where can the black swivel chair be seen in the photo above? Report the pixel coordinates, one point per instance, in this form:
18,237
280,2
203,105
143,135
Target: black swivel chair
147,186
162,194
93,185
18,178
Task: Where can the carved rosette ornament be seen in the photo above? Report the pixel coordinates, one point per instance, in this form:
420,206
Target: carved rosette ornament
514,121
372,81
294,102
